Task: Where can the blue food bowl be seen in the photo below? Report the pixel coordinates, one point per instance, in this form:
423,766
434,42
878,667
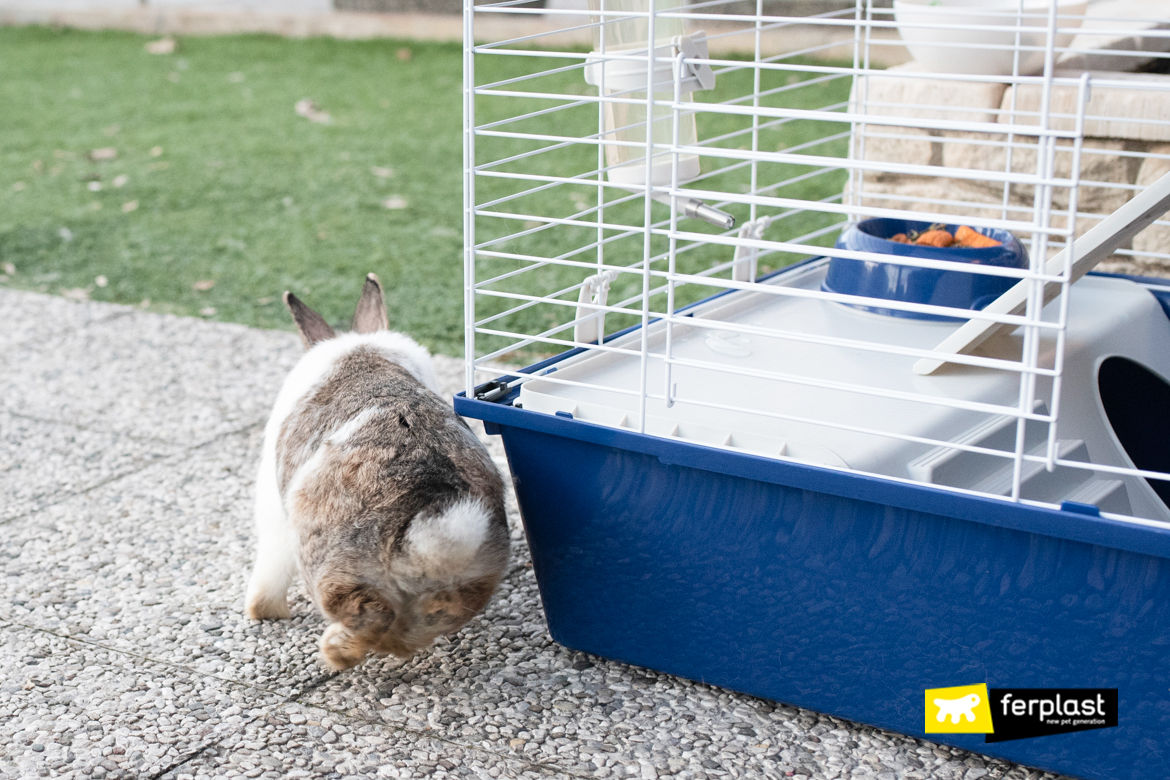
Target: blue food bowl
895,282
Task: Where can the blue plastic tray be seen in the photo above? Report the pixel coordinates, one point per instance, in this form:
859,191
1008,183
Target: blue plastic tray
838,592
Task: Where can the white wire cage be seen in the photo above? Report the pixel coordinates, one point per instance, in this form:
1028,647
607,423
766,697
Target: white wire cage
658,249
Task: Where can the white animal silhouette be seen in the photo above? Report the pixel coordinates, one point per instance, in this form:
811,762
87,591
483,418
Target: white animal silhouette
957,707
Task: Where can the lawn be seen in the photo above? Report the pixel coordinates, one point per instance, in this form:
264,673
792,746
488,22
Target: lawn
219,196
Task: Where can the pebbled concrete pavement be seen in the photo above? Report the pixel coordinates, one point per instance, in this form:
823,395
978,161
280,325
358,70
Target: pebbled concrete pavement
128,442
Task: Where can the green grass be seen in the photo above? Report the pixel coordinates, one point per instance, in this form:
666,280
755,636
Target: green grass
258,199
800,90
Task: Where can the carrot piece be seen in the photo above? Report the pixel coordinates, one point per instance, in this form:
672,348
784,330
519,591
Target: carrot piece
900,238
965,234
966,237
936,238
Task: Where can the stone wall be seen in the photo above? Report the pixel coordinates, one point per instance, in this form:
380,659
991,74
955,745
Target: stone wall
943,169
947,164
771,7
414,6
789,7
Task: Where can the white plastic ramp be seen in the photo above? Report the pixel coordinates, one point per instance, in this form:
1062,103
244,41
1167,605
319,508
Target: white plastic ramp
1093,247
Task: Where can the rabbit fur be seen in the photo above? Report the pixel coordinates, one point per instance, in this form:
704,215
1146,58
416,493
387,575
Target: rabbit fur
375,491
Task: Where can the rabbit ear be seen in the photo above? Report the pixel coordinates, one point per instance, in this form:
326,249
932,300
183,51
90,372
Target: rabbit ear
371,309
310,325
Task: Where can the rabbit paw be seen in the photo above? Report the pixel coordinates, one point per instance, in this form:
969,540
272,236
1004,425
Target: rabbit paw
340,649
262,607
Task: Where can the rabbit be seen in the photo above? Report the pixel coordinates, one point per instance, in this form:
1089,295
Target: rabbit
376,491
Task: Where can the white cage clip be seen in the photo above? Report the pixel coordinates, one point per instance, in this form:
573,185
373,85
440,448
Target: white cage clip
694,47
625,70
747,258
590,325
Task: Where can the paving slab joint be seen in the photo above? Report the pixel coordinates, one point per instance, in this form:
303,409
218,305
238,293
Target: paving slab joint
88,489
358,716
178,456
284,698
178,763
87,428
120,312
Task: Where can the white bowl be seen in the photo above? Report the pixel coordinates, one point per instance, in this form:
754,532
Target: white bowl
967,49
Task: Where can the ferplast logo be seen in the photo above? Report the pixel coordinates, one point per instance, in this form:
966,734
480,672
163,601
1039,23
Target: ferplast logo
963,709
1018,713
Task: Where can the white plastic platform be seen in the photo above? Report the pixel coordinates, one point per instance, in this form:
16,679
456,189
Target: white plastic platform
876,429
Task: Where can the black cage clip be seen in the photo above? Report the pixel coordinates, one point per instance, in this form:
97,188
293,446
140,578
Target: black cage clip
492,391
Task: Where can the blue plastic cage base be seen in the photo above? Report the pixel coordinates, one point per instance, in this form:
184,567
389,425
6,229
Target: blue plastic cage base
839,592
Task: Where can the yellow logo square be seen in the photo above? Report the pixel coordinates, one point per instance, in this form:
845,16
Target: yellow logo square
963,709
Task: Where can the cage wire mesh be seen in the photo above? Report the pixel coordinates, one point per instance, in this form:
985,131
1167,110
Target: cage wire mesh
627,160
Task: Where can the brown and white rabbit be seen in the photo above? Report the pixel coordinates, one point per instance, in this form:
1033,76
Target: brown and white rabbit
376,491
